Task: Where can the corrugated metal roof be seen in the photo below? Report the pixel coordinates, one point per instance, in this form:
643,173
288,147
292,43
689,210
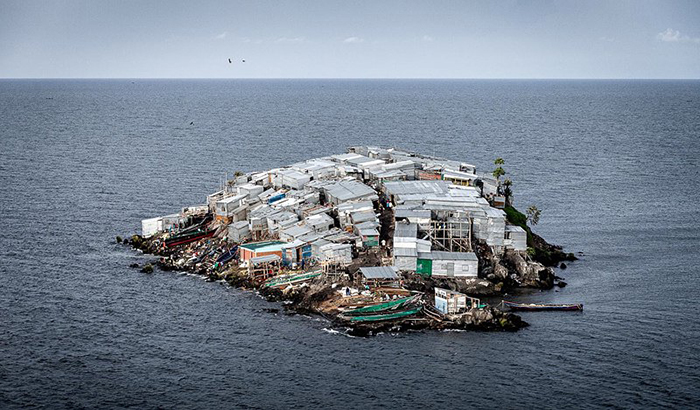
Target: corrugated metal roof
255,246
230,199
240,224
266,258
405,230
363,216
294,244
369,232
416,187
347,190
297,230
379,272
412,213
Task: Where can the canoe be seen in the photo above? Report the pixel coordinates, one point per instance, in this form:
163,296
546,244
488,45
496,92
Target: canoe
541,306
187,238
388,316
227,256
379,307
284,280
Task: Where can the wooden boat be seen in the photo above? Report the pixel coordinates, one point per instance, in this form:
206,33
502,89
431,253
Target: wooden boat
228,255
381,307
188,237
541,306
284,280
387,316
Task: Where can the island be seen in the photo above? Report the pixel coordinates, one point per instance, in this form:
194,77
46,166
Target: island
374,239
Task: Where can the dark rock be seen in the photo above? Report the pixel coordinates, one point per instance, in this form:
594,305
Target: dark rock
561,284
134,265
562,266
271,310
136,241
147,268
119,239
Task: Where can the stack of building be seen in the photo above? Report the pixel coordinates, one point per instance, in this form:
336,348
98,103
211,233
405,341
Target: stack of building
326,210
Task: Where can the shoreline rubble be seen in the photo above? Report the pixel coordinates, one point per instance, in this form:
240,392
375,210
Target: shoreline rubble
412,240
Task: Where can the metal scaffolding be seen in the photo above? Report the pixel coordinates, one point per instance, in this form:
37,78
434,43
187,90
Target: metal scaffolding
451,231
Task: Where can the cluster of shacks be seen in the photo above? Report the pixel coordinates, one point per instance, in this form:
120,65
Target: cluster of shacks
326,210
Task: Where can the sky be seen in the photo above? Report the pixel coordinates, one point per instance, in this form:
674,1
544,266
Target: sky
350,39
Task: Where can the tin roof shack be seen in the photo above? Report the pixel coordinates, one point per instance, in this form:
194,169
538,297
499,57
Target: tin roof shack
365,163
232,209
380,276
359,217
395,190
262,268
280,220
213,198
343,191
320,222
174,222
515,238
251,191
344,210
257,221
420,217
447,264
370,237
459,178
295,252
290,178
238,232
405,247
255,249
490,225
449,302
294,232
498,201
405,259
151,226
339,253
318,168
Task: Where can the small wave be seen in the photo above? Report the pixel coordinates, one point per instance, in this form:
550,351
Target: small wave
337,332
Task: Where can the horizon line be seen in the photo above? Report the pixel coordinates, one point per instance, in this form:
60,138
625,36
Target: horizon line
356,78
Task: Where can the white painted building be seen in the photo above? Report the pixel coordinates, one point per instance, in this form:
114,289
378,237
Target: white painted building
448,264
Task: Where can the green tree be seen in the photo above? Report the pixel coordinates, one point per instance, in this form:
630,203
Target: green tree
498,173
507,190
533,214
499,161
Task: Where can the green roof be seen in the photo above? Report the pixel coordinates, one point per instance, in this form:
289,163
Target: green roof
257,246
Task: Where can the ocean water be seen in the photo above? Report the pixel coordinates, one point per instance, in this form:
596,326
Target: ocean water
612,164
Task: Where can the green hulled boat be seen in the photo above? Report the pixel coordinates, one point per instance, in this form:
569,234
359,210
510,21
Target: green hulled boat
291,279
388,316
380,307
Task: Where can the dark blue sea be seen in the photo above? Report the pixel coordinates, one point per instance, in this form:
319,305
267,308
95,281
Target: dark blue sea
612,164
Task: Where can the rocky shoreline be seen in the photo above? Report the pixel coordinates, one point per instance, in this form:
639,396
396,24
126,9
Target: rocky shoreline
312,297
498,275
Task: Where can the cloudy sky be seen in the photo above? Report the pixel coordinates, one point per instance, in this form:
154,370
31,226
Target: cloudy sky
350,39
